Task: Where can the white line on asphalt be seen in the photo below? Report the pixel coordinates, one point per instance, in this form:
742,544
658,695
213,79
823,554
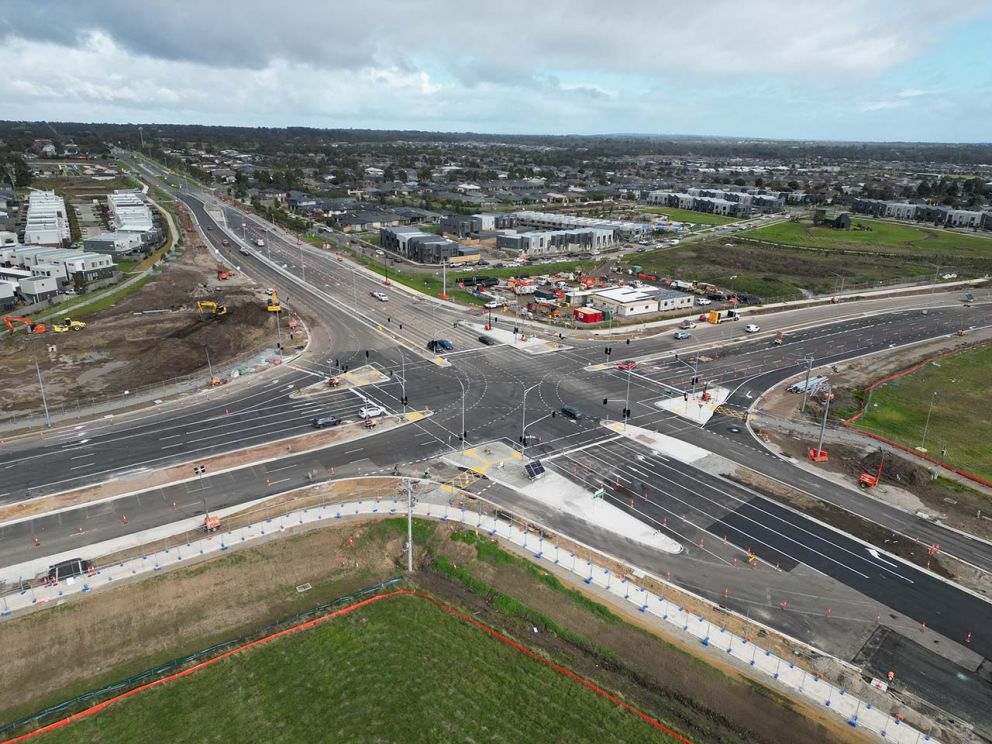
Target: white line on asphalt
284,467
348,452
282,480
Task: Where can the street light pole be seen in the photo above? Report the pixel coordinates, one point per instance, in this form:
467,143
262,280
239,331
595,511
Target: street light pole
210,367
403,378
523,419
926,426
409,527
809,369
626,404
823,424
44,401
461,436
199,470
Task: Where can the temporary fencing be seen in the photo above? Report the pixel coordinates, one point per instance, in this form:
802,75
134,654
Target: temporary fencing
170,669
591,569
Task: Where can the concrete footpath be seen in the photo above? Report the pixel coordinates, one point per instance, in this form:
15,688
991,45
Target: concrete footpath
667,617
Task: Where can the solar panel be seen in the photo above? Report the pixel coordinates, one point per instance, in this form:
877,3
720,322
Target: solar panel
534,469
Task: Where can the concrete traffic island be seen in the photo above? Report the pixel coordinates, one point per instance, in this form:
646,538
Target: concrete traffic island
365,375
501,464
526,341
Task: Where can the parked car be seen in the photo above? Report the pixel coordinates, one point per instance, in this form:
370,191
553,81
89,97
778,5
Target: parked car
440,344
751,328
681,335
371,411
628,365
381,296
703,301
326,420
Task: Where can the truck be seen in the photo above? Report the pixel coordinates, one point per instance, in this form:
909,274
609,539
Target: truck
715,316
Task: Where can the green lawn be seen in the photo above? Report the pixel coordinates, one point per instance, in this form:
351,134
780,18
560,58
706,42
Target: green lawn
963,384
685,215
777,271
400,670
889,237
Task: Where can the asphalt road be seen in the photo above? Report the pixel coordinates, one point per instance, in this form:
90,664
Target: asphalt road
351,328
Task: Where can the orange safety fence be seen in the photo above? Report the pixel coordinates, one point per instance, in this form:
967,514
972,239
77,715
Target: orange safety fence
92,710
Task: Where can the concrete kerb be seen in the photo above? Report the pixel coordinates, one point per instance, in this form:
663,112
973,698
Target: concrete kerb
254,463
810,686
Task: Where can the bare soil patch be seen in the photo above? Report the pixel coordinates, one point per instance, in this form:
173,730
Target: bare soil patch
125,348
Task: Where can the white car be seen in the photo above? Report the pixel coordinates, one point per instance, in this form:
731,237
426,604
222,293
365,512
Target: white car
703,301
381,296
493,305
751,328
367,412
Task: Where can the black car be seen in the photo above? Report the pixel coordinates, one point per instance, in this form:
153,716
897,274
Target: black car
571,412
68,569
487,340
321,422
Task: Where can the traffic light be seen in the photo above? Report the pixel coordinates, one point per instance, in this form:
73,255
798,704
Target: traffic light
609,351
554,414
628,342
366,354
685,395
516,330
676,356
626,413
605,400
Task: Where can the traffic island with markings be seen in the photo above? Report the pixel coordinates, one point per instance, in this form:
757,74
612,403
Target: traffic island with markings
365,375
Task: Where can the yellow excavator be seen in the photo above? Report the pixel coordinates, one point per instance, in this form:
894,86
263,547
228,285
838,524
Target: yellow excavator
273,306
68,324
216,309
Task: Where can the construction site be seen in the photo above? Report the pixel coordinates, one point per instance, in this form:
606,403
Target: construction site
190,317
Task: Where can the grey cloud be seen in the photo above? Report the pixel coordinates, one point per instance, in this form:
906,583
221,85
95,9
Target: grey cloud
508,42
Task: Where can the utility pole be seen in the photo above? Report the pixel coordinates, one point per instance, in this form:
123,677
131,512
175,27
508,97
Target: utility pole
210,367
809,369
409,527
926,426
303,266
823,424
44,401
462,435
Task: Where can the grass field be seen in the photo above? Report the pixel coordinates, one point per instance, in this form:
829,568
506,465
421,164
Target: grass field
685,215
398,670
770,271
963,384
888,237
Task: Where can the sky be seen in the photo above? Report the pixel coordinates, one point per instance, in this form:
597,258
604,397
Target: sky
884,70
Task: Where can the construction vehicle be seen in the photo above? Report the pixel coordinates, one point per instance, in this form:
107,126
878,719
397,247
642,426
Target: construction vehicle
273,306
216,381
68,324
216,309
223,272
32,327
211,524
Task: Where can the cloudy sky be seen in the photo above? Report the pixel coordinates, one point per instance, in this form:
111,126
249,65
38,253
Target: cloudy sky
844,69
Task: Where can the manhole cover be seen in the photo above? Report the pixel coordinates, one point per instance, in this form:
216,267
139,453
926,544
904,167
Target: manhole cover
734,429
